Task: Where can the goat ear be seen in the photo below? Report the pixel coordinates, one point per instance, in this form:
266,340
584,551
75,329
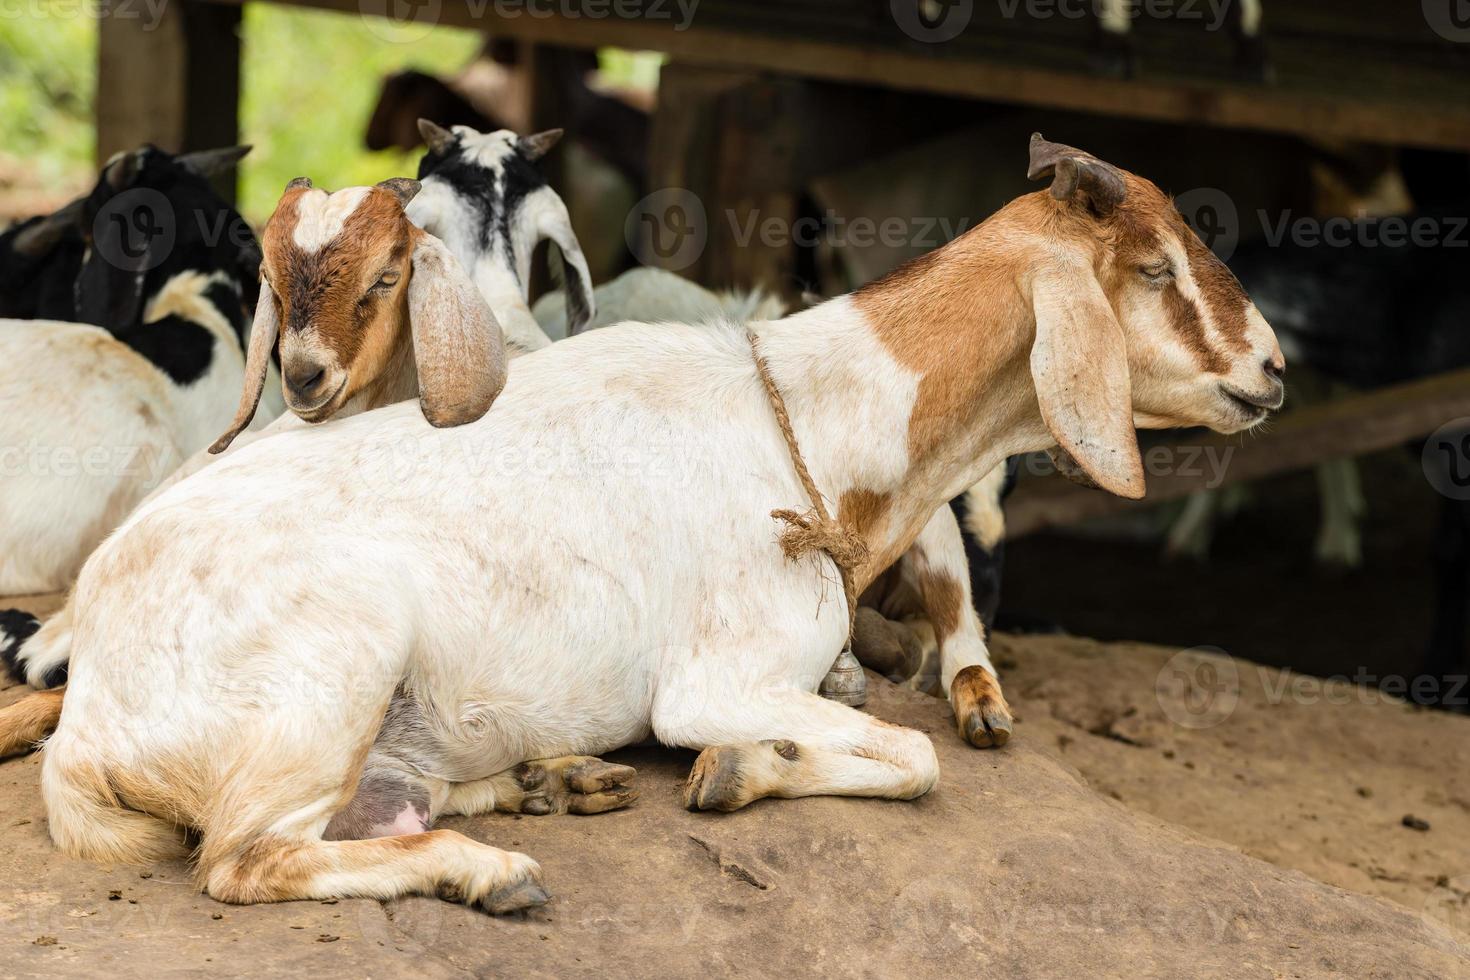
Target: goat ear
553,222
47,233
537,145
211,163
1079,363
263,331
436,137
403,188
457,343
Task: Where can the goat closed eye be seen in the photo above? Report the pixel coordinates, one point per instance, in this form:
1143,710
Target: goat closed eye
386,281
1158,273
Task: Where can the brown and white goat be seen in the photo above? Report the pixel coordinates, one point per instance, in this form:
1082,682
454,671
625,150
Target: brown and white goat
637,587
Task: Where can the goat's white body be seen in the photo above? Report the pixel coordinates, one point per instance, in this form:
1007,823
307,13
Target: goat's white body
636,586
90,426
650,295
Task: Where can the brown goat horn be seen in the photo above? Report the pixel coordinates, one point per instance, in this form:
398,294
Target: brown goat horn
1071,169
296,182
403,188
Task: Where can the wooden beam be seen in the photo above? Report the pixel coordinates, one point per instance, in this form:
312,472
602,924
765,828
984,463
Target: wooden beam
1345,427
170,78
1324,112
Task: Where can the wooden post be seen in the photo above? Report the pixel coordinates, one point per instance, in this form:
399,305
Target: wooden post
171,79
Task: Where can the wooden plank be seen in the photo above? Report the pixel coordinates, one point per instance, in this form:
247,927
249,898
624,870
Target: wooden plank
1424,115
173,81
1345,427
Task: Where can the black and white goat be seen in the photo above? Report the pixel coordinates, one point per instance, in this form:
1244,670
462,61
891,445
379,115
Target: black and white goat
103,405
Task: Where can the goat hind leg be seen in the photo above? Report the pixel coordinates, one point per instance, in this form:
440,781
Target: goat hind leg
275,868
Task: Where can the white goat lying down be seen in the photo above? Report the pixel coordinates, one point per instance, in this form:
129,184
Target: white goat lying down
93,417
637,586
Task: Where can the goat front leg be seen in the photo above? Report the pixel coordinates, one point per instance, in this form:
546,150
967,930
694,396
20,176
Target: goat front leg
786,743
936,569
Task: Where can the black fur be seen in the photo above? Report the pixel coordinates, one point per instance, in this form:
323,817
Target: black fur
15,628
1375,311
180,348
40,287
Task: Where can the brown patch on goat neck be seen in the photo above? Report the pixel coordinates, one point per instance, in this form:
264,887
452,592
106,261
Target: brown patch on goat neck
954,317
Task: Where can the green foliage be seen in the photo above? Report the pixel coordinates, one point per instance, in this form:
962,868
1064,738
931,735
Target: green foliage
311,79
48,67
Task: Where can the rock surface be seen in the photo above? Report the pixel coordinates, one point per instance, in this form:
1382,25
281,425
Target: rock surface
1307,773
1012,867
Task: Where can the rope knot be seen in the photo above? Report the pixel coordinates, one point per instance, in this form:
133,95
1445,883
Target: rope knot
810,531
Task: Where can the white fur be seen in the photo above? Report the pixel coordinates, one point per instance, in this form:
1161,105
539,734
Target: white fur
320,216
89,426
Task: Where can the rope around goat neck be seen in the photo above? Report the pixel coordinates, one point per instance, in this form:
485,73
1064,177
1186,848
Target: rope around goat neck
813,529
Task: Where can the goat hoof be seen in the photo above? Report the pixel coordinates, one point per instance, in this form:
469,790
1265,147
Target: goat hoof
15,628
728,777
980,709
528,893
574,784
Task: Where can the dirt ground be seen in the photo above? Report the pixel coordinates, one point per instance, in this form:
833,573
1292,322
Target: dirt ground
1013,865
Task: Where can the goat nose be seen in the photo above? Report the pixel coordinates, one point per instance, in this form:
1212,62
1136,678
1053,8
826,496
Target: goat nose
302,378
1275,367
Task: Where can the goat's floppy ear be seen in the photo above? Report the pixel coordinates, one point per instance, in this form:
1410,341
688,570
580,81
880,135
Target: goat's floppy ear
263,333
457,343
553,222
47,233
537,145
1080,366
